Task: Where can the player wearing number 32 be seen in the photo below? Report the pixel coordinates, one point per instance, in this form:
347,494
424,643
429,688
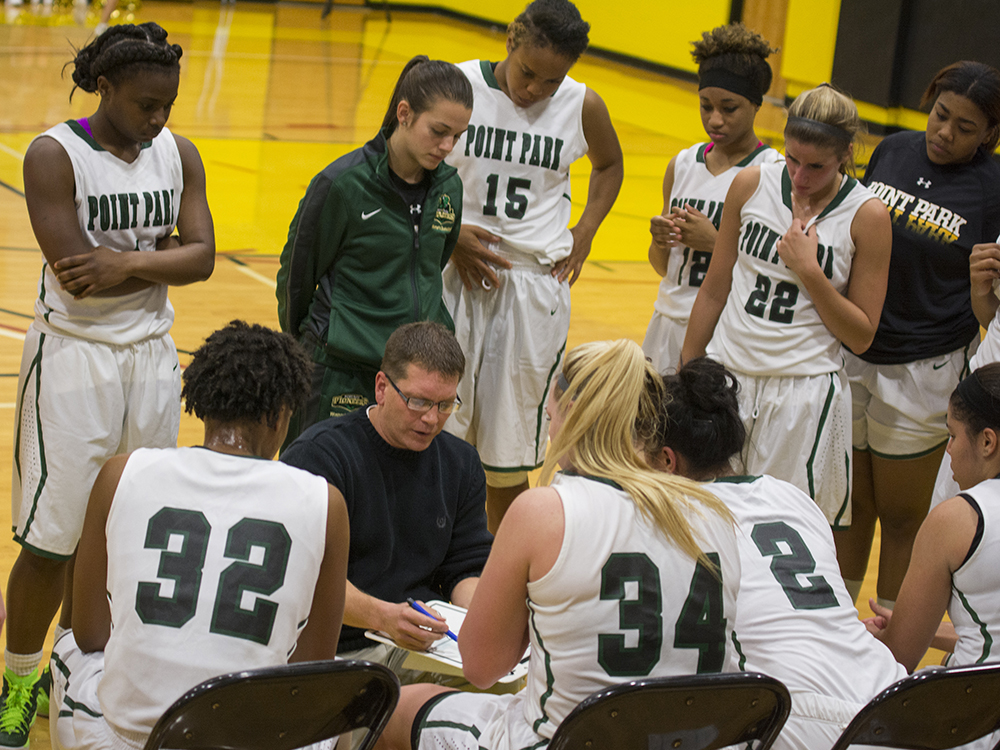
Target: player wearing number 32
799,267
505,286
176,541
653,594
795,619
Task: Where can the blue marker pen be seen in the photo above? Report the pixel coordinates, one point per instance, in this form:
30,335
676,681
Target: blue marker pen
423,611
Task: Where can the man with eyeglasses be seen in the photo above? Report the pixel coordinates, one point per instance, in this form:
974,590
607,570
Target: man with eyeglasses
415,496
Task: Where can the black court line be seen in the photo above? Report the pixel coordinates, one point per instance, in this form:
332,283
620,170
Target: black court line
20,249
11,188
8,374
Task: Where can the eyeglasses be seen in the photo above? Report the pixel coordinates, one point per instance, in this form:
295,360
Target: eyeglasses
423,405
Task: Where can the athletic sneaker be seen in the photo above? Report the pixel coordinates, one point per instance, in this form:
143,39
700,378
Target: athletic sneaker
17,709
42,687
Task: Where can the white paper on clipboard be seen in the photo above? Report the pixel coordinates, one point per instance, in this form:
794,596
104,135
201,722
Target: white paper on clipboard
443,656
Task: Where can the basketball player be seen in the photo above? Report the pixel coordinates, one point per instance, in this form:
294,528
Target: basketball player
733,76
943,190
552,581
207,559
955,566
795,620
798,270
507,285
99,374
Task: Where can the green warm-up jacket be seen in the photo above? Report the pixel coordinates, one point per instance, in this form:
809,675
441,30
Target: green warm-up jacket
353,269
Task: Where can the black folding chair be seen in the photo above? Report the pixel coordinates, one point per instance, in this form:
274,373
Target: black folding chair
280,708
933,709
700,712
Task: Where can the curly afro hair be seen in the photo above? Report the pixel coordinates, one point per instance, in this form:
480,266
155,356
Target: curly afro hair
246,372
737,49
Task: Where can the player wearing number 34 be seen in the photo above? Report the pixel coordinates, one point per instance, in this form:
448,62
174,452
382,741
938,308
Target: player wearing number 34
799,268
176,541
653,594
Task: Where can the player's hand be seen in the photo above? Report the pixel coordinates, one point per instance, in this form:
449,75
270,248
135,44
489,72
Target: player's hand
570,266
84,275
475,262
413,630
880,621
695,229
664,232
984,268
798,248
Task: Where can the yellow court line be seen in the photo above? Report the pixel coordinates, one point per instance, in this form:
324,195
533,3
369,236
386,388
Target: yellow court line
13,152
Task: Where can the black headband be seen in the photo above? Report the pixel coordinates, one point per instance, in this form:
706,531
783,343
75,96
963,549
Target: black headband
726,79
979,400
817,126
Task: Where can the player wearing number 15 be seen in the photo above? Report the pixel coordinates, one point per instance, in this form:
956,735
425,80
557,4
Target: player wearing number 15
799,268
795,620
207,559
652,594
507,285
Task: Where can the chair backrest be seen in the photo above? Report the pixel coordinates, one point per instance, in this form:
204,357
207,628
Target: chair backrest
932,709
699,712
280,708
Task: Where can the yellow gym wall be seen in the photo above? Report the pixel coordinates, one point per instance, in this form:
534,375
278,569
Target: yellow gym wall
659,31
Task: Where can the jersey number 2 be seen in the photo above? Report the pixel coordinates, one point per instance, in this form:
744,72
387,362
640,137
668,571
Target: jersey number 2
772,540
700,625
183,565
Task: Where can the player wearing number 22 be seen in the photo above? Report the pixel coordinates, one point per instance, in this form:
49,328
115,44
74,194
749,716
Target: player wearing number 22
799,268
207,559
653,594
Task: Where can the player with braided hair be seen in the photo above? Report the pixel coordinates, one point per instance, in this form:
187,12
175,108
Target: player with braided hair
99,374
280,524
733,76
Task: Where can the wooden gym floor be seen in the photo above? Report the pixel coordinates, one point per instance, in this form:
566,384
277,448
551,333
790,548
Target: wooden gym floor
270,94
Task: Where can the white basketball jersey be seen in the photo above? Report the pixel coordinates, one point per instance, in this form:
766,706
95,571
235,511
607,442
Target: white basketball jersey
622,602
126,207
212,565
795,620
694,185
975,605
770,325
514,164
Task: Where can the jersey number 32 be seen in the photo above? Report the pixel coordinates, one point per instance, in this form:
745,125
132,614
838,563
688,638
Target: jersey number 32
184,567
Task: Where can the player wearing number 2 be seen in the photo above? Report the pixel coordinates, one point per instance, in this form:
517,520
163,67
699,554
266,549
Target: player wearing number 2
733,76
506,283
795,620
208,559
653,594
799,267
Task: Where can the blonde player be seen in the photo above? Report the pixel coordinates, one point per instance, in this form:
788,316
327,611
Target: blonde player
799,269
651,595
